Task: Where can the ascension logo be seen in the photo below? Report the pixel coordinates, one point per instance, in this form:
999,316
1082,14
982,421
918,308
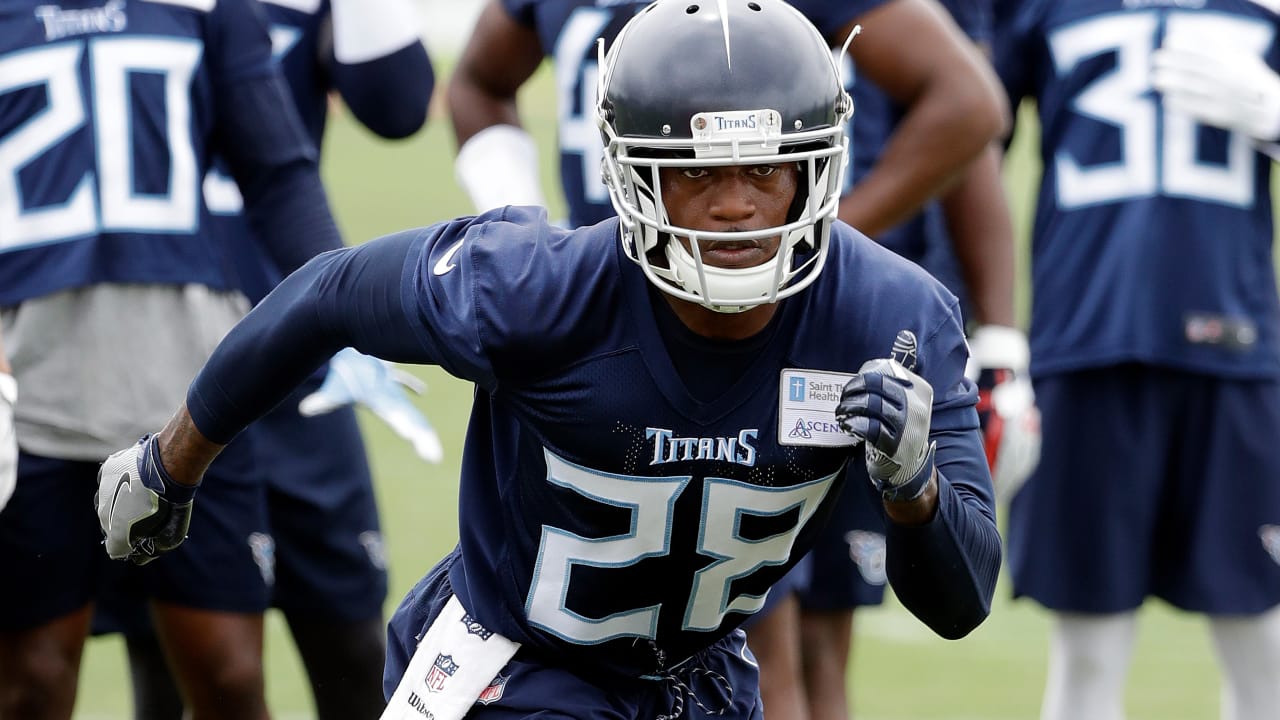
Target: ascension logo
801,430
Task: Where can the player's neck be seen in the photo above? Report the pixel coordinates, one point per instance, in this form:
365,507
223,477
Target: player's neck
721,326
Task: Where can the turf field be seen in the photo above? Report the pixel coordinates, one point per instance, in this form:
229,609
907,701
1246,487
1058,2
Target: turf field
901,671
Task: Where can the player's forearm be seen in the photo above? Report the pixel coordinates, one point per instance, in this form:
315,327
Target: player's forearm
943,131
945,571
913,513
346,298
184,451
978,220
499,58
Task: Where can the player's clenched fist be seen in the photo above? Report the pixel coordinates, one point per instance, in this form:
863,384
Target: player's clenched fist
888,407
142,511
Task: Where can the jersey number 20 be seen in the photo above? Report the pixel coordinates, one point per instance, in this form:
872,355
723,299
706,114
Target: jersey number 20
109,201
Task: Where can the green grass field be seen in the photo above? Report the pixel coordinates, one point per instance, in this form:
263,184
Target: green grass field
901,671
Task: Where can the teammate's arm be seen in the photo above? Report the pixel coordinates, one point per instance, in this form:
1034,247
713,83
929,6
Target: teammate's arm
497,159
913,50
381,67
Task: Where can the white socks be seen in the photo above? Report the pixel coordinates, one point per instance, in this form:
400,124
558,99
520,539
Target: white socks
1088,664
1249,652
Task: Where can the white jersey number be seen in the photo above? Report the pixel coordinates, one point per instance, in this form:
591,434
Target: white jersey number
1157,147
651,502
108,199
576,73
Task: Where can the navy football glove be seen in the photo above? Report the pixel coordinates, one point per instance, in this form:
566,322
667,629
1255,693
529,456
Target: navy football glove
142,511
888,407
358,378
1006,405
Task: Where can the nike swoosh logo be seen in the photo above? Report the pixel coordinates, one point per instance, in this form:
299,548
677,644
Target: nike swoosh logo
120,485
445,263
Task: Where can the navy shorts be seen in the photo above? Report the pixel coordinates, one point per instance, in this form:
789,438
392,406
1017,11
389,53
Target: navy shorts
330,560
534,688
52,544
1151,482
847,567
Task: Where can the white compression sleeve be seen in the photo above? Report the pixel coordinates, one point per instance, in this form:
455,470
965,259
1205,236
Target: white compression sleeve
1088,662
365,30
1249,649
499,166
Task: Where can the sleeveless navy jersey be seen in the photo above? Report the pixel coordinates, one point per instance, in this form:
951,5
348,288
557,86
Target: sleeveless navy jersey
608,516
1152,234
568,30
106,118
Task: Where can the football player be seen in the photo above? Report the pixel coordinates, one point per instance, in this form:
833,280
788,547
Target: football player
668,401
1154,337
324,552
953,112
110,114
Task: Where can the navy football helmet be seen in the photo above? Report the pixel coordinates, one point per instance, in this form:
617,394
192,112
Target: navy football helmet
698,83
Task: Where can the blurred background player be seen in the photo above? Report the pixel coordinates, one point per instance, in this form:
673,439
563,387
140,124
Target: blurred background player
324,551
1154,348
110,115
949,112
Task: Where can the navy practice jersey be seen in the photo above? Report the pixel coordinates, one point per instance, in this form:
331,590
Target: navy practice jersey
1152,234
923,239
609,515
400,83
568,30
106,118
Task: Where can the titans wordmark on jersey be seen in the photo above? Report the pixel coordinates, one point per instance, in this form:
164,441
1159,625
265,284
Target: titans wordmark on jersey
105,121
1152,236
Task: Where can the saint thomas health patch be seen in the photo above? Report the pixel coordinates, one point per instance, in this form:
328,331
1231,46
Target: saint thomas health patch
807,402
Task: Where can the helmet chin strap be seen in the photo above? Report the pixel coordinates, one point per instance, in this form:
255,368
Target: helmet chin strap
758,281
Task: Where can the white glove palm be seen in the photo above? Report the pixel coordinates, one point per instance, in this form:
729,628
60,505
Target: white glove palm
358,378
8,438
1220,85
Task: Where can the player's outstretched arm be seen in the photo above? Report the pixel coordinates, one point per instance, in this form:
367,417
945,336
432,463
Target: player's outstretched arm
350,297
381,67
954,108
497,160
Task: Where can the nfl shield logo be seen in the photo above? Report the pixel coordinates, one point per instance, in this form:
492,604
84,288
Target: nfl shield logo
493,693
441,670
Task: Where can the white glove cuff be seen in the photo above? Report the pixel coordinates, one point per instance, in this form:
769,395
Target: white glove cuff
499,166
364,30
997,346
